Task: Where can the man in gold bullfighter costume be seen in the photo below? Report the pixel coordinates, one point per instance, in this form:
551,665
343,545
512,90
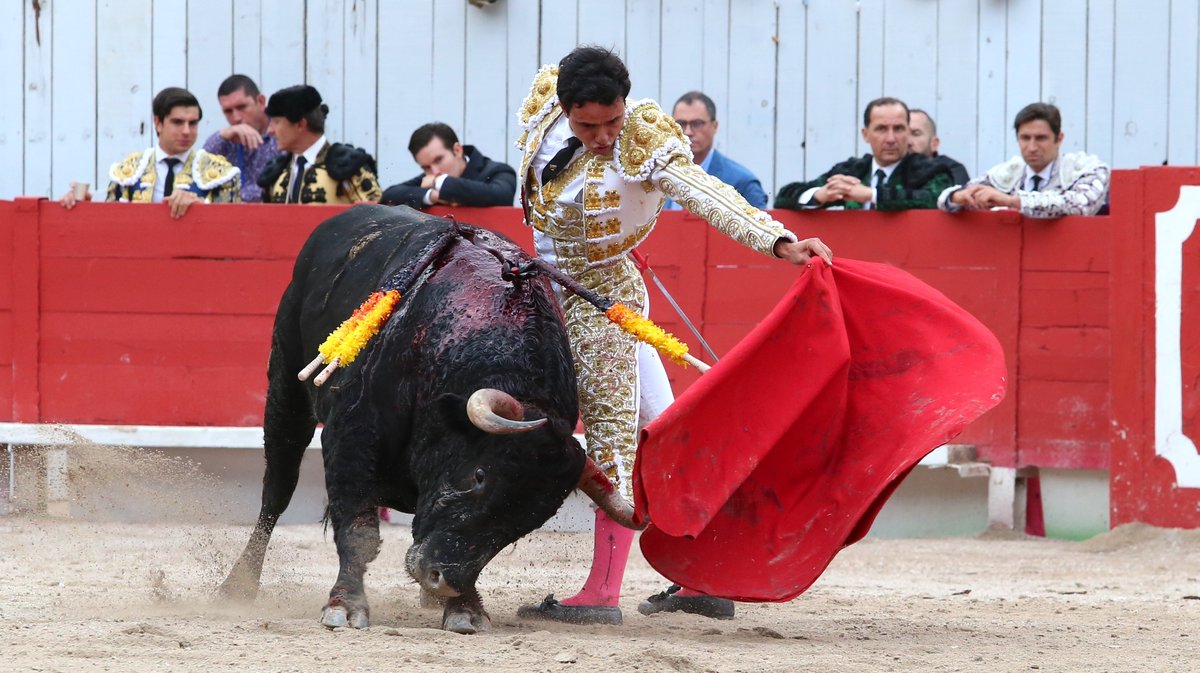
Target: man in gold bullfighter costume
596,171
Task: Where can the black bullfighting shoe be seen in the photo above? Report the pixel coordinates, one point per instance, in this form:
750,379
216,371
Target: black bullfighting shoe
552,610
705,606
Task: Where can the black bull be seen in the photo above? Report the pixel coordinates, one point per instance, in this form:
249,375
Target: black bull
397,427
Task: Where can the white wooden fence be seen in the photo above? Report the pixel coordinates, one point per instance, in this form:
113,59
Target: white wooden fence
790,77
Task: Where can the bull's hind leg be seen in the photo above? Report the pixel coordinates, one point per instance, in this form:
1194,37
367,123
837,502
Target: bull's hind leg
356,534
287,429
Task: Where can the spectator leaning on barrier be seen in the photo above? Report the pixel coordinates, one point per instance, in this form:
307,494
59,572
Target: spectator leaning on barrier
188,175
245,143
1041,182
453,174
696,114
889,178
923,139
311,169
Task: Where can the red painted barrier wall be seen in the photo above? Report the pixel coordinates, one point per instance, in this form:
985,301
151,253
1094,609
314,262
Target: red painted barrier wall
1155,475
114,313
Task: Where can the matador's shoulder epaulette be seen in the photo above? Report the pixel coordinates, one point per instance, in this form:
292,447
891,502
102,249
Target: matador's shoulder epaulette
650,135
542,97
129,171
343,161
210,171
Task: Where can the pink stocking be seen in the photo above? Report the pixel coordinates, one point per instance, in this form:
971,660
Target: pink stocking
609,556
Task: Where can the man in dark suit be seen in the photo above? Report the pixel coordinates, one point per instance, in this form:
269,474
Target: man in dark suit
454,174
889,178
923,139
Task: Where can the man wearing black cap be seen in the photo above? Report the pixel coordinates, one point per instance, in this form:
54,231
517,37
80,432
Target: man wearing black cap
311,169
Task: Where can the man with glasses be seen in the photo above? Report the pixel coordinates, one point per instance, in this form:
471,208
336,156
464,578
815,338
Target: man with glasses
696,114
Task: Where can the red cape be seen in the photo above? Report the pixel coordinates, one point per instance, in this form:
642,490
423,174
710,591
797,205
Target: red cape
785,451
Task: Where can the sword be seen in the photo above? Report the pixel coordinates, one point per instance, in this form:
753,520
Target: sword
644,267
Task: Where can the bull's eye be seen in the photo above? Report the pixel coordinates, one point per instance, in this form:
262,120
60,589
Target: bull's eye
480,477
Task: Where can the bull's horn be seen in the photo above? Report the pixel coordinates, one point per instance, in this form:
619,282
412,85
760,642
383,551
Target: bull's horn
597,486
498,413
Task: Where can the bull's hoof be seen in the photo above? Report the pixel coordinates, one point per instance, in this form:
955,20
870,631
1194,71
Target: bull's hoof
552,610
335,616
466,623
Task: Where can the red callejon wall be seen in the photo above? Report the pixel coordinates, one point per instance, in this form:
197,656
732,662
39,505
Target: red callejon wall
114,313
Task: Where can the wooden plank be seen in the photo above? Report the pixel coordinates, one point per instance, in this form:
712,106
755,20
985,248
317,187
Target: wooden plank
832,126
6,346
407,54
1184,75
38,101
358,103
284,44
1064,298
183,395
1064,74
26,307
1141,72
1064,354
155,340
210,48
1024,82
484,126
871,63
12,120
643,49
717,47
992,123
910,68
124,87
1069,244
791,85
957,76
181,286
679,47
1063,424
449,64
602,24
248,39
749,123
169,48
558,30
523,63
128,231
325,60
1101,129
73,155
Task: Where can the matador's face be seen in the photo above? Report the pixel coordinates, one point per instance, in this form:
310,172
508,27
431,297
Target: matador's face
597,125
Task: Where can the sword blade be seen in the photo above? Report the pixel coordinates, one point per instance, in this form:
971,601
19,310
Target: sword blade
678,309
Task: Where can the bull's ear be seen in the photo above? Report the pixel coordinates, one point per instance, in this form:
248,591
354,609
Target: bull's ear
453,408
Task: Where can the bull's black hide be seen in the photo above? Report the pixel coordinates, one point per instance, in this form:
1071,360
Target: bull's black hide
396,433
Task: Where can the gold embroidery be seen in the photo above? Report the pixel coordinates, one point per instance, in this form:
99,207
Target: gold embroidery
647,129
606,369
602,228
611,199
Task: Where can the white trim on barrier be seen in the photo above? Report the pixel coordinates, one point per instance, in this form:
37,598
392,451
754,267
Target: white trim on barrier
156,436
1171,229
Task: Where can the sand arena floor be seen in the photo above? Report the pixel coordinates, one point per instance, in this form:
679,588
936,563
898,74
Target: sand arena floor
94,595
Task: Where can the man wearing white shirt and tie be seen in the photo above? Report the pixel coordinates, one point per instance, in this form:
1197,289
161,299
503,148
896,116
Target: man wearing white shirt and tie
173,171
889,178
1041,182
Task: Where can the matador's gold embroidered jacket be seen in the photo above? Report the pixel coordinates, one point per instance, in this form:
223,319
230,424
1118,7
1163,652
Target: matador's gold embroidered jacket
209,176
587,226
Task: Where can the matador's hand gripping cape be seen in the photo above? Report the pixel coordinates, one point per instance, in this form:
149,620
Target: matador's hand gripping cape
786,450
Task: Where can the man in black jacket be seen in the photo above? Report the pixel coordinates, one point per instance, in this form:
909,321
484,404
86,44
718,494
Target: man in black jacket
454,174
889,178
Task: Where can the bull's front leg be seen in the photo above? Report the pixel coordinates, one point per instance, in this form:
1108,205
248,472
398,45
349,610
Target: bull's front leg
465,614
357,538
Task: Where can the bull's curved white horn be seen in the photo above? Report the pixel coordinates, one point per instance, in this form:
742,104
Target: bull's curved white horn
498,413
604,493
